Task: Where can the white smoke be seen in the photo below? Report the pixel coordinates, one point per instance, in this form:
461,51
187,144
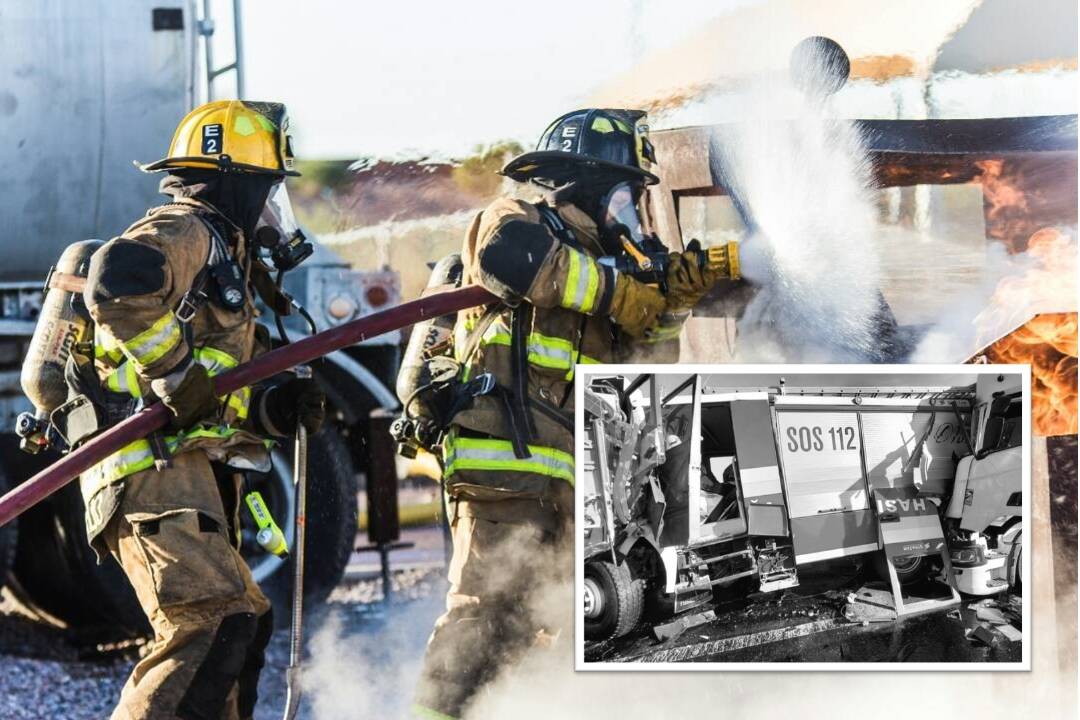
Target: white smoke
1012,289
366,667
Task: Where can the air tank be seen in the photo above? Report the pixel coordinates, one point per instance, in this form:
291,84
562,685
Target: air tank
432,333
61,324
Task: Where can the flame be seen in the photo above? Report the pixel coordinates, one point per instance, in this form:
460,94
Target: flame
1021,195
1047,341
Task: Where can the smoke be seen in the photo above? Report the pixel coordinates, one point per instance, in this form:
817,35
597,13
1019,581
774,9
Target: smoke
364,665
544,685
1013,288
804,179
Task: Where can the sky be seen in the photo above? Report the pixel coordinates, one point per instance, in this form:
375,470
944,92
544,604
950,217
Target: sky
408,78
411,78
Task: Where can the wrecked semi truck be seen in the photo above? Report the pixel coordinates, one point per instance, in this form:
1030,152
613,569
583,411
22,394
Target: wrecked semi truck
706,490
87,89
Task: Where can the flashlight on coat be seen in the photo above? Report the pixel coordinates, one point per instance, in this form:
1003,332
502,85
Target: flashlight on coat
269,535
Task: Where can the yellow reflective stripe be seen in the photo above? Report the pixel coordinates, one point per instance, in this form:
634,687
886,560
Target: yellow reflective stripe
590,290
569,298
137,456
124,379
106,349
217,361
544,350
153,343
132,458
582,281
489,454
215,432
214,360
239,401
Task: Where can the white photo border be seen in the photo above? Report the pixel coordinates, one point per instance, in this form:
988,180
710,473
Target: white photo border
582,372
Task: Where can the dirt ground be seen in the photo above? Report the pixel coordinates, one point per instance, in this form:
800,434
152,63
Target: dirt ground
358,650
807,624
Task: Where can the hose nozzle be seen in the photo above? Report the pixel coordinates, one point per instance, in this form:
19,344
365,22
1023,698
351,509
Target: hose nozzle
724,259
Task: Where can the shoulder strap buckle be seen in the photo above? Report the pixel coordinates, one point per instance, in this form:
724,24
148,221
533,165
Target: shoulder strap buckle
193,299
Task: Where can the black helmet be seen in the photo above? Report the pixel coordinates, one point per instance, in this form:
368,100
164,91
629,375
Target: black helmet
605,140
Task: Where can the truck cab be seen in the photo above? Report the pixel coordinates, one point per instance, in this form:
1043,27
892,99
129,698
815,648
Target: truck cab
985,509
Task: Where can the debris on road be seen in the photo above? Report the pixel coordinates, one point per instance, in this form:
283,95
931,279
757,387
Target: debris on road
672,630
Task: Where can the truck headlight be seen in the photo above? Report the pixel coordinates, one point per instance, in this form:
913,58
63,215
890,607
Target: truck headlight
341,308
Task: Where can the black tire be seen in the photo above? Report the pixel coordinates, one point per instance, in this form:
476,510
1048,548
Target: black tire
615,600
56,572
331,522
909,571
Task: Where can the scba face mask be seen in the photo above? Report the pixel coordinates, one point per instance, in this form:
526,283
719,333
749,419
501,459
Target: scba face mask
619,217
278,231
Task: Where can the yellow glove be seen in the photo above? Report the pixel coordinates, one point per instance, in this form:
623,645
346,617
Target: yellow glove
635,306
687,279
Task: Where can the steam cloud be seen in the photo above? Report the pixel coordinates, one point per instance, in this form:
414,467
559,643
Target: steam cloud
805,179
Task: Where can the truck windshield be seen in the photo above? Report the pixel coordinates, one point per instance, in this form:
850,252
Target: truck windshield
1003,425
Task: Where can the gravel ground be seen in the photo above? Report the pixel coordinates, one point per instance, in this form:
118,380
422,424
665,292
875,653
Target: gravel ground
357,651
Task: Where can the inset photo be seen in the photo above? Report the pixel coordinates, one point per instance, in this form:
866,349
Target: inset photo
802,517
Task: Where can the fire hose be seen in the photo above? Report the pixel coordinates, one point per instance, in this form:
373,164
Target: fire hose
155,416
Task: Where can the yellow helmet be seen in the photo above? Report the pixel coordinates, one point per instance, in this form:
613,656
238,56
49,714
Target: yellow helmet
231,135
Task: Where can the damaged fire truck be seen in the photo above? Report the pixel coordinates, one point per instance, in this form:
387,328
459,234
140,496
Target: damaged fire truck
704,490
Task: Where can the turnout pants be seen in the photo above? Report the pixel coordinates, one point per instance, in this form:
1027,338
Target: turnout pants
510,592
211,622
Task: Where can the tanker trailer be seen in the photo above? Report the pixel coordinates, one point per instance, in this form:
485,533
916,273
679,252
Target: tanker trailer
86,89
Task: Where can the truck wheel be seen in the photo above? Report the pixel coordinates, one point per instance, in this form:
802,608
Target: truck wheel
56,574
614,600
909,570
331,522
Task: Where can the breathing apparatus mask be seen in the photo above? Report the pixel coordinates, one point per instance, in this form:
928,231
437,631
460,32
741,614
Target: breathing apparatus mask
279,233
617,215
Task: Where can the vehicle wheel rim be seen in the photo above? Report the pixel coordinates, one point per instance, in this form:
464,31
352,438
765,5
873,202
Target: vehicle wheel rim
594,599
277,490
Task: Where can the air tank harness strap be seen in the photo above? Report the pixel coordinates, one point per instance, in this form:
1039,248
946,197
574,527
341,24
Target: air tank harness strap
196,296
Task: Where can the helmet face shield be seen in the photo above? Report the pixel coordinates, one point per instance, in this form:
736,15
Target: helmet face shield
280,233
619,215
278,214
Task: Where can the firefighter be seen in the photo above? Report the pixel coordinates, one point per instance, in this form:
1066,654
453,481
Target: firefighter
508,462
171,301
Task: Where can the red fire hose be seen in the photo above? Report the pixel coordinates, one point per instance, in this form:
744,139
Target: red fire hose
60,473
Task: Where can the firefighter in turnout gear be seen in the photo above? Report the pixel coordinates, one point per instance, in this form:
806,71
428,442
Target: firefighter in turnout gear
171,302
508,465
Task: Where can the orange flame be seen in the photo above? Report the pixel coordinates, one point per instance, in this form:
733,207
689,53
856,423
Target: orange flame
1047,341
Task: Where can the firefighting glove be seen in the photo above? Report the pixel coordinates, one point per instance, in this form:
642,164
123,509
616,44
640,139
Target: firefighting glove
635,306
689,278
299,400
189,397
